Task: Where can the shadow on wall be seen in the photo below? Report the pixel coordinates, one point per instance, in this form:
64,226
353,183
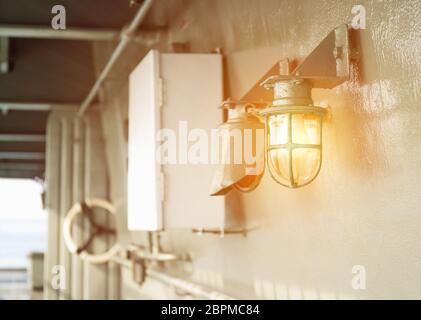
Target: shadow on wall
353,136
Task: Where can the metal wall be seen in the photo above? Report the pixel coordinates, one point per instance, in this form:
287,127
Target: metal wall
363,209
75,171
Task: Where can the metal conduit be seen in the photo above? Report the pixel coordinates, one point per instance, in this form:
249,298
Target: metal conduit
182,284
125,37
126,34
17,31
35,106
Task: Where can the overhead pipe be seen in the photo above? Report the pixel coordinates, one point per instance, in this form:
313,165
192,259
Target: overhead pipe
35,106
19,166
125,37
18,31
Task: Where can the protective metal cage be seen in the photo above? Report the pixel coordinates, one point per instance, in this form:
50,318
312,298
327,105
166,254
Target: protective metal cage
294,143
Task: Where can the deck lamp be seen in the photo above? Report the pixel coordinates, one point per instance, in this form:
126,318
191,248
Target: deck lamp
293,124
294,132
241,136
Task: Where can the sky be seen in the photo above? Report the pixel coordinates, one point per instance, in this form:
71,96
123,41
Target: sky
23,222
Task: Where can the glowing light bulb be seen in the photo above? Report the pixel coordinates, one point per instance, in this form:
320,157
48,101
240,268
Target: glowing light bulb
294,134
294,147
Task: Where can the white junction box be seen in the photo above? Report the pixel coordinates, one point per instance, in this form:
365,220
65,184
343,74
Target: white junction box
177,93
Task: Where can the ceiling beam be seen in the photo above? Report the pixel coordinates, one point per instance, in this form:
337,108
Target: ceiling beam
22,155
22,137
21,166
20,174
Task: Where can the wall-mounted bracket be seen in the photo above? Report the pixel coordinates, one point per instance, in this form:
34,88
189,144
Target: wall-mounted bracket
327,66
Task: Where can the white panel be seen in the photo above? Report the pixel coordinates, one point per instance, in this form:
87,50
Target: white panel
144,195
193,90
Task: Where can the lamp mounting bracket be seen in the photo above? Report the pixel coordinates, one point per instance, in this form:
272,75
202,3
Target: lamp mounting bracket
327,66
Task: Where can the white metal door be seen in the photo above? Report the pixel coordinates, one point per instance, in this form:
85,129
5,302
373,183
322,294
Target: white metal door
192,92
173,90
144,172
